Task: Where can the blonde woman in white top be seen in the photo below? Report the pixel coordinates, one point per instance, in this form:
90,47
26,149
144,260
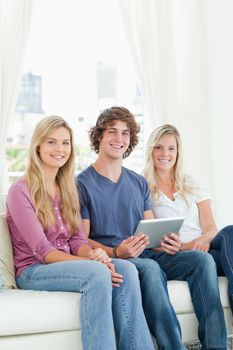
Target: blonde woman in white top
175,194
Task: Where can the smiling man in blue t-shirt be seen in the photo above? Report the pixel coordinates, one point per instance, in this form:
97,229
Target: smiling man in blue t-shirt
113,200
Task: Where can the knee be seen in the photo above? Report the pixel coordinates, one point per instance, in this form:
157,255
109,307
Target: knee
204,261
226,231
151,269
100,273
126,269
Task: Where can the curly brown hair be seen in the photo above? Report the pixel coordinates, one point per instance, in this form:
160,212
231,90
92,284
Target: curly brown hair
108,117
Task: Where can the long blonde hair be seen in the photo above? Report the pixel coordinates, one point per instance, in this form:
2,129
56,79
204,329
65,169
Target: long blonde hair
180,181
65,180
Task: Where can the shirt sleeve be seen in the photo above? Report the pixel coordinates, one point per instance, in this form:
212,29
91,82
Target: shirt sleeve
77,240
84,200
199,189
24,223
147,197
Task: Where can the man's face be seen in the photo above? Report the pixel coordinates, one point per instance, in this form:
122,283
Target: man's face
115,140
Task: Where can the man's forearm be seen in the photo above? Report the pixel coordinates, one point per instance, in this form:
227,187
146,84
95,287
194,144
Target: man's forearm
95,244
84,250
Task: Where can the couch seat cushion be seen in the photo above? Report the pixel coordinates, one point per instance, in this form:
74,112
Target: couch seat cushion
26,312
181,298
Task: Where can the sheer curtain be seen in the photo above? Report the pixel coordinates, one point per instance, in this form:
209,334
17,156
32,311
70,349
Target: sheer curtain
14,29
150,35
183,54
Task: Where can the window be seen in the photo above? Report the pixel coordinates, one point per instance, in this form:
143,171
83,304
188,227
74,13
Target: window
77,64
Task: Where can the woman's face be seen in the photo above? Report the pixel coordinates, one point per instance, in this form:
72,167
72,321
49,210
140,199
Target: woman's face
55,150
165,153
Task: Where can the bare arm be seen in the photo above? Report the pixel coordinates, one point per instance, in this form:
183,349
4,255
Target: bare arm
85,252
99,248
208,226
86,227
134,246
96,251
94,244
148,214
128,248
57,255
93,253
207,221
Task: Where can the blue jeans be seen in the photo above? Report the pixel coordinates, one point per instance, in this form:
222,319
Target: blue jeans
199,270
221,249
158,310
111,318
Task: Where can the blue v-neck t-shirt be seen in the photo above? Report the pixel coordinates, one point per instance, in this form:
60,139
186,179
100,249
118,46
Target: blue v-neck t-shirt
114,209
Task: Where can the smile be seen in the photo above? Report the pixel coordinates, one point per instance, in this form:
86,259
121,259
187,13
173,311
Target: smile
116,146
57,157
164,160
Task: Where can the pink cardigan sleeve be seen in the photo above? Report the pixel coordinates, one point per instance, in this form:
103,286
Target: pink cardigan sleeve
23,222
77,240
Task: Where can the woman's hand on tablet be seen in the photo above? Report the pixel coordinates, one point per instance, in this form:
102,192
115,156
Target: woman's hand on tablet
170,244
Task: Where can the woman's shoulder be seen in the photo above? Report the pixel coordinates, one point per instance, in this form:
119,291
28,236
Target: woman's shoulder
20,183
18,195
197,187
193,182
19,186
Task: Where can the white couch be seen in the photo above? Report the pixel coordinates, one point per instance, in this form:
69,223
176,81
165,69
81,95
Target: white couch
45,320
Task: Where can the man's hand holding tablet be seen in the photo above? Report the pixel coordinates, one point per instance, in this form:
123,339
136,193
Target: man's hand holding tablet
164,231
132,247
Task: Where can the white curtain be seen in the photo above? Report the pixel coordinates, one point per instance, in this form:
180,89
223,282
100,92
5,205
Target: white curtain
183,54
149,30
15,18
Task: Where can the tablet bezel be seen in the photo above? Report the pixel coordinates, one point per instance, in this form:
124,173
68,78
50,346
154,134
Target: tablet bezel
156,229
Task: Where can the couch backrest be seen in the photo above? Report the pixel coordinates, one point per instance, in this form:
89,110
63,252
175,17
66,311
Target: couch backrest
2,203
7,271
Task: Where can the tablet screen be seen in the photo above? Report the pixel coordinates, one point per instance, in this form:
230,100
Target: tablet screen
156,229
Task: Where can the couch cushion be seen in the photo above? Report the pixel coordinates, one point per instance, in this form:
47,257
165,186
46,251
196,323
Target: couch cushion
27,312
181,298
7,271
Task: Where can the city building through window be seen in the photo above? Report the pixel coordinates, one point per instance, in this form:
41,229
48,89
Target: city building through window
76,65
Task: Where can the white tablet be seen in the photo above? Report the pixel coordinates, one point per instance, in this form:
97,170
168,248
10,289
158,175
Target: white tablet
156,229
